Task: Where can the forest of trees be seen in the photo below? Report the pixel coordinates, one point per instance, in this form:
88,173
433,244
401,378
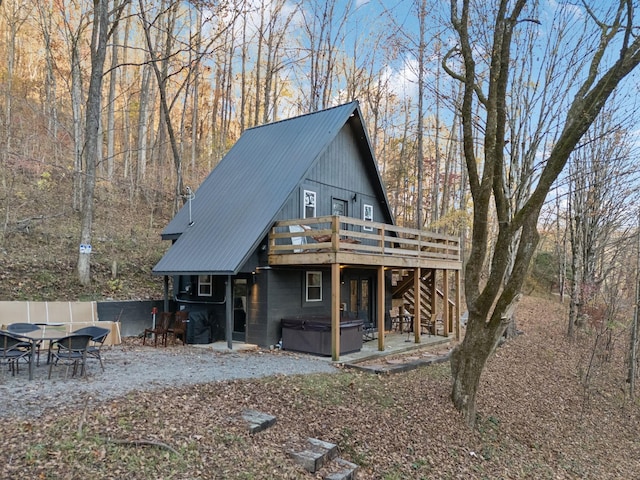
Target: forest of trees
139,100
182,80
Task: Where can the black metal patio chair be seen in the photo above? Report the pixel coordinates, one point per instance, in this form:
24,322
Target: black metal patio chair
12,350
98,337
20,327
70,351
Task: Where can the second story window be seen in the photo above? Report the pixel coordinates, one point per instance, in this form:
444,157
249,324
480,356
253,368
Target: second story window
367,216
309,204
205,286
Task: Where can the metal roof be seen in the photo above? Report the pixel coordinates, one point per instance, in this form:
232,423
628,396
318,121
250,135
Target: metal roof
238,202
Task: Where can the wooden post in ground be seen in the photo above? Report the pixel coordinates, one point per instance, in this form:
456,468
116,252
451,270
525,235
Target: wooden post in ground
335,311
456,317
380,307
434,302
445,302
417,302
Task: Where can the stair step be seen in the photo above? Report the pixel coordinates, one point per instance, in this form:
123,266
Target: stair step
258,421
318,454
347,471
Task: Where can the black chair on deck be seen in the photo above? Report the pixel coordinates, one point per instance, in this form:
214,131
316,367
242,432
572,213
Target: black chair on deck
70,351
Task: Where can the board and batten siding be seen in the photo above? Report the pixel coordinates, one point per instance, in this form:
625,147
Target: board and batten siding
340,173
285,297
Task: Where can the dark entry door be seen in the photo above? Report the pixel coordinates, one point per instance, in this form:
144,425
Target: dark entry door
360,298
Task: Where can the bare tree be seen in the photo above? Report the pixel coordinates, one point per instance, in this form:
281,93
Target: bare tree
103,23
602,179
491,300
324,28
111,106
633,337
168,50
15,16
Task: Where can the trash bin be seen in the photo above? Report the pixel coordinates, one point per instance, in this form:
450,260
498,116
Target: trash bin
199,328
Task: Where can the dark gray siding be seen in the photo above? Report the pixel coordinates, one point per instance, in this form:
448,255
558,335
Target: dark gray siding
281,294
236,204
341,173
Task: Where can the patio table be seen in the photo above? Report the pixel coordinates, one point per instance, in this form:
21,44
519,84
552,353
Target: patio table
44,332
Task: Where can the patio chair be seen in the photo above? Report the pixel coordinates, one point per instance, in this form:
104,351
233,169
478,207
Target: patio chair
161,329
70,350
12,350
298,240
18,328
179,327
98,337
368,331
394,314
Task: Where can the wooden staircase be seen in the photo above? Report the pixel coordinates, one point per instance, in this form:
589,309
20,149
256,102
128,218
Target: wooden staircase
403,288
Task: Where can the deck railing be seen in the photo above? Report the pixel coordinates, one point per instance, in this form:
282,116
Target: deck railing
344,234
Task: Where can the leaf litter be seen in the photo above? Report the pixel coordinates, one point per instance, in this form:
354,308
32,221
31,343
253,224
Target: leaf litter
534,422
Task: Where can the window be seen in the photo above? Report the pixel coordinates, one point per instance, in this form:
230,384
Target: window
309,204
339,207
367,216
205,286
314,286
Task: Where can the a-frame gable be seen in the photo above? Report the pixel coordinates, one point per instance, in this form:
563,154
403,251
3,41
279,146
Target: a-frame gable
238,202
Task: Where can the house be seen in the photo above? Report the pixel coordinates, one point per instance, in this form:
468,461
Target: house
294,224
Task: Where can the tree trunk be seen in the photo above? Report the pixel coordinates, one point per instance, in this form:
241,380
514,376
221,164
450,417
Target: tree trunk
468,360
92,129
111,108
422,17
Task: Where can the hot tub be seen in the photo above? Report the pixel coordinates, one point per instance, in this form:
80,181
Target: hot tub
313,335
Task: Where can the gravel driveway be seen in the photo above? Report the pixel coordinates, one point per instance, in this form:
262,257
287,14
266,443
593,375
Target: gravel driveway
129,368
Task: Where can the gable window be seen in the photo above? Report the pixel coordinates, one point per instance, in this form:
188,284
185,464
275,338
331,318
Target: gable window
314,287
309,204
339,207
205,285
367,216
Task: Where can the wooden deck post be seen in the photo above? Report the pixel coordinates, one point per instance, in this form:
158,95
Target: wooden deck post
417,302
380,308
458,300
434,301
335,237
445,302
335,311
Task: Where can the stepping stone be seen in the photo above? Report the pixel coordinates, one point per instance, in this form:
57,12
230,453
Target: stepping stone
258,421
316,456
347,471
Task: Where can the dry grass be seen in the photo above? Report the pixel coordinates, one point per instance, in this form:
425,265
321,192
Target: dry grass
538,420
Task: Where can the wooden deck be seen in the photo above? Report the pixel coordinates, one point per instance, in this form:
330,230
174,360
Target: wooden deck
344,240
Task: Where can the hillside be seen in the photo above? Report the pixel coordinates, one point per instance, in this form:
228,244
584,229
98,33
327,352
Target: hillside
39,250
